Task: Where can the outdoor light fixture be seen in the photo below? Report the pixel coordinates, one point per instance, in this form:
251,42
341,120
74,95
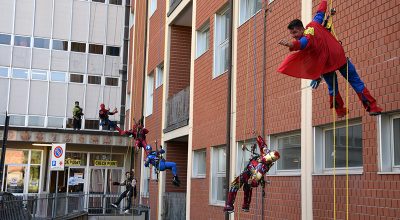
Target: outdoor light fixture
43,145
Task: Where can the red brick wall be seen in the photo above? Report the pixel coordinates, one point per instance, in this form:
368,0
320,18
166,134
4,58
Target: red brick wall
180,53
177,152
156,36
370,34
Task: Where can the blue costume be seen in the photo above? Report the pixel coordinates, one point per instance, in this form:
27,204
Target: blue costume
155,158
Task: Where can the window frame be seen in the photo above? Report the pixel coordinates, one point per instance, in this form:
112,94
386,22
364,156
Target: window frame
218,46
203,36
113,80
61,41
9,40
40,38
274,145
160,72
54,117
93,47
153,7
319,151
149,94
39,72
8,72
25,78
22,36
37,116
214,175
196,163
88,81
243,8
386,159
59,81
110,49
78,45
16,115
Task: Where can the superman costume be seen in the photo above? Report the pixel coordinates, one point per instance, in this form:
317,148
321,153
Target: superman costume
319,54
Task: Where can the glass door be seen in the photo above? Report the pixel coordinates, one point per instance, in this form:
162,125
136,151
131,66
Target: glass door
96,190
113,191
15,178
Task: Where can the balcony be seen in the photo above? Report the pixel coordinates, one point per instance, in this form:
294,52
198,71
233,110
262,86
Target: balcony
177,110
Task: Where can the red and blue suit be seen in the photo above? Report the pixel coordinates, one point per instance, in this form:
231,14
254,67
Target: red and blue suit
252,176
320,54
160,164
105,121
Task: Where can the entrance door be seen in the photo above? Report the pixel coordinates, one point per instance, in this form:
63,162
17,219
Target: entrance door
15,178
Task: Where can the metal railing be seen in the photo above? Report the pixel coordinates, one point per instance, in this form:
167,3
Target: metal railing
178,110
174,206
63,206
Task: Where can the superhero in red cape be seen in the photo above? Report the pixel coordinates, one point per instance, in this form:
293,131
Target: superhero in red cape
319,54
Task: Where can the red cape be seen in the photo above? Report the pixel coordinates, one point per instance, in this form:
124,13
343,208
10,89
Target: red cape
323,54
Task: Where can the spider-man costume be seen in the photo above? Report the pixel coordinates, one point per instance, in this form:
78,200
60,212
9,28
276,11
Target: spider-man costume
252,176
105,121
318,54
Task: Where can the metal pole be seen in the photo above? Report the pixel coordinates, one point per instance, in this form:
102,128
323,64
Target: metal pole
3,148
54,211
229,105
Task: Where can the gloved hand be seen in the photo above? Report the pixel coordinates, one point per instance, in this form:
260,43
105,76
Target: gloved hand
116,183
315,83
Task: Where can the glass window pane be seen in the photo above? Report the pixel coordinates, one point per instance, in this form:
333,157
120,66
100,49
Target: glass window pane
290,150
201,168
76,180
53,122
78,47
20,74
5,39
112,51
221,195
75,159
22,41
92,124
17,120
3,72
58,76
36,157
39,74
221,159
102,1
396,141
94,80
16,156
115,2
354,146
76,78
96,49
41,43
34,176
36,121
15,179
60,45
111,81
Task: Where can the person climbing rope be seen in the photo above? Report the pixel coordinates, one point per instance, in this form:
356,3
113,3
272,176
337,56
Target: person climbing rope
320,54
252,176
155,158
130,191
105,121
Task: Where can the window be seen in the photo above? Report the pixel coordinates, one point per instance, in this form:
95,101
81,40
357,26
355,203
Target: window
78,47
3,72
5,39
54,122
218,168
221,39
289,148
60,45
36,121
153,7
112,81
2,121
41,43
95,49
146,182
39,74
160,78
91,124
94,80
324,149
389,142
199,164
244,155
203,39
115,2
76,78
101,1
22,41
17,120
149,94
20,73
112,51
58,76
248,8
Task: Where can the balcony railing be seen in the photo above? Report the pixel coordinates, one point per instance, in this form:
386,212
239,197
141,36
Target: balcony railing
174,206
177,110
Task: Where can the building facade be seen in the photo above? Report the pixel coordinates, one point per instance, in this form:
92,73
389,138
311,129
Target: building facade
180,81
54,53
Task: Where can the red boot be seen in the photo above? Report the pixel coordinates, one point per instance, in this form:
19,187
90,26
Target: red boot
369,103
341,111
230,201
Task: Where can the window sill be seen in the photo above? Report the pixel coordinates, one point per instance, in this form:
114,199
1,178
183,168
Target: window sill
286,173
339,173
198,177
388,173
218,203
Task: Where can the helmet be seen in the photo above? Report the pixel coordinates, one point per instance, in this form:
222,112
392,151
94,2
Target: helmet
148,148
102,106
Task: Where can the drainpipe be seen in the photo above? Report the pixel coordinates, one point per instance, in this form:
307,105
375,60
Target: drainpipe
145,57
124,71
229,105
